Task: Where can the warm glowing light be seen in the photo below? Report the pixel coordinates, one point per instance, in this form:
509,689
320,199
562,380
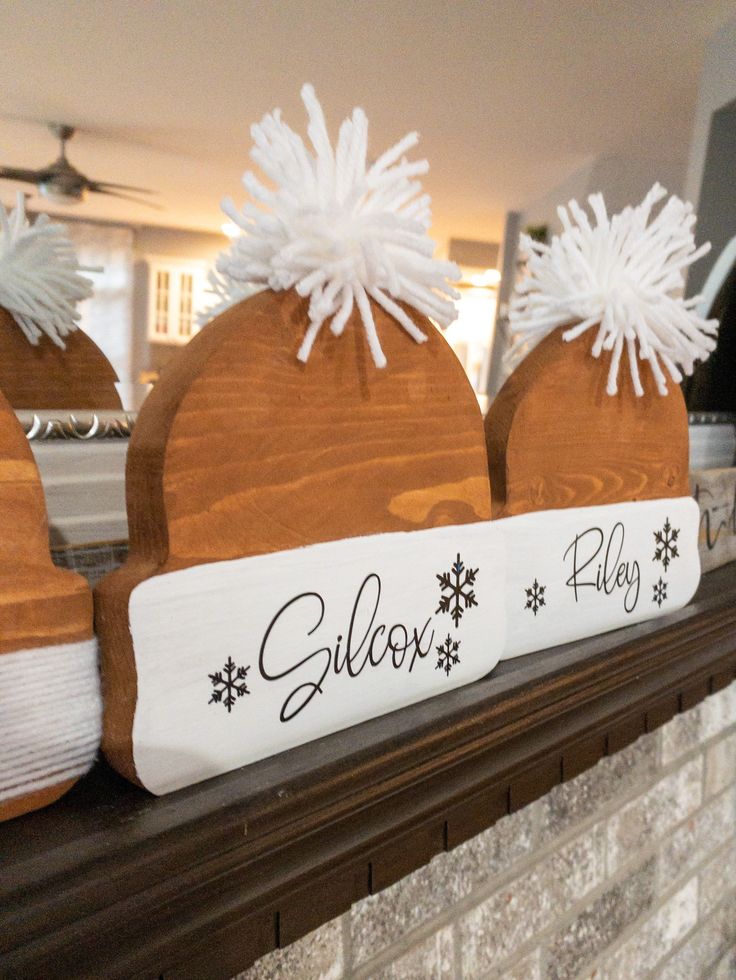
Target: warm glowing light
471,335
487,279
230,229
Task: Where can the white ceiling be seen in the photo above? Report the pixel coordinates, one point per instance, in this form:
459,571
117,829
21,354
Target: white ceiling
509,97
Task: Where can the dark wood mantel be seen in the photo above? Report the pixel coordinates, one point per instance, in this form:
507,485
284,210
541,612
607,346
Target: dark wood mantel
111,882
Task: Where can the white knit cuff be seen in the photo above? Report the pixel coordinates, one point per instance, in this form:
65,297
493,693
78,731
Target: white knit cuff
50,716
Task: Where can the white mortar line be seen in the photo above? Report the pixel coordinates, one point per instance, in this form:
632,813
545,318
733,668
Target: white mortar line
346,941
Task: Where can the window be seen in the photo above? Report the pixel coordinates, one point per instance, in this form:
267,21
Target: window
161,323
186,312
177,292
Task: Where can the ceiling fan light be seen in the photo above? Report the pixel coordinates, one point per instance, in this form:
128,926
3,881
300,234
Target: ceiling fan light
53,194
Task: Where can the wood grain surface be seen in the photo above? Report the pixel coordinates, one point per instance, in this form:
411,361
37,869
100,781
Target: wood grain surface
242,450
9,809
556,439
45,376
40,604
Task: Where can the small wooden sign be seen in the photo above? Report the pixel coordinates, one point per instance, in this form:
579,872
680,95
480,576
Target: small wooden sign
50,707
556,439
310,544
600,529
715,493
77,376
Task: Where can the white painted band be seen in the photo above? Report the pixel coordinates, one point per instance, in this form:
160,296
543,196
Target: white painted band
50,716
582,571
238,660
325,636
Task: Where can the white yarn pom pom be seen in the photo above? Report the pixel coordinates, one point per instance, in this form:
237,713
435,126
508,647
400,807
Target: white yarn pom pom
337,230
624,276
40,284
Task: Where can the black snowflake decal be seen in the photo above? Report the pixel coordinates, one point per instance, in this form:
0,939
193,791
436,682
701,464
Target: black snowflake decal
457,583
660,592
535,597
225,682
666,548
447,656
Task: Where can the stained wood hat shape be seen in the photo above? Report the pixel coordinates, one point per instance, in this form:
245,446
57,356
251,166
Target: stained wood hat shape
589,460
50,704
46,362
307,485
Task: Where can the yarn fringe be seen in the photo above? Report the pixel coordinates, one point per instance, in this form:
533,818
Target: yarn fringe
40,281
623,278
339,230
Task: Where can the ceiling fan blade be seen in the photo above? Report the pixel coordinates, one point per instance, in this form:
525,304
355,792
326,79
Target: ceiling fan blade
100,186
26,176
135,200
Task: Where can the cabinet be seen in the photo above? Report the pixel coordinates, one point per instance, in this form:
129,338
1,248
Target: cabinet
177,293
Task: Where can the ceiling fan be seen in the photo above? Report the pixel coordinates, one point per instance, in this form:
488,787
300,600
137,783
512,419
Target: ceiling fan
62,183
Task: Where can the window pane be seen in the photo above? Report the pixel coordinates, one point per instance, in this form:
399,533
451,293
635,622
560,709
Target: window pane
162,302
186,285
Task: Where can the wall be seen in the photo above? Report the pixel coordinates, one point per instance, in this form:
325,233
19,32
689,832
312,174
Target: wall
717,207
622,179
628,871
717,88
107,316
176,243
710,183
116,315
625,178
712,164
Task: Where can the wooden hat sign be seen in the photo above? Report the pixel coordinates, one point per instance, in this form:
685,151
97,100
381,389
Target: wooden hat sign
588,461
310,535
50,705
45,360
44,375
